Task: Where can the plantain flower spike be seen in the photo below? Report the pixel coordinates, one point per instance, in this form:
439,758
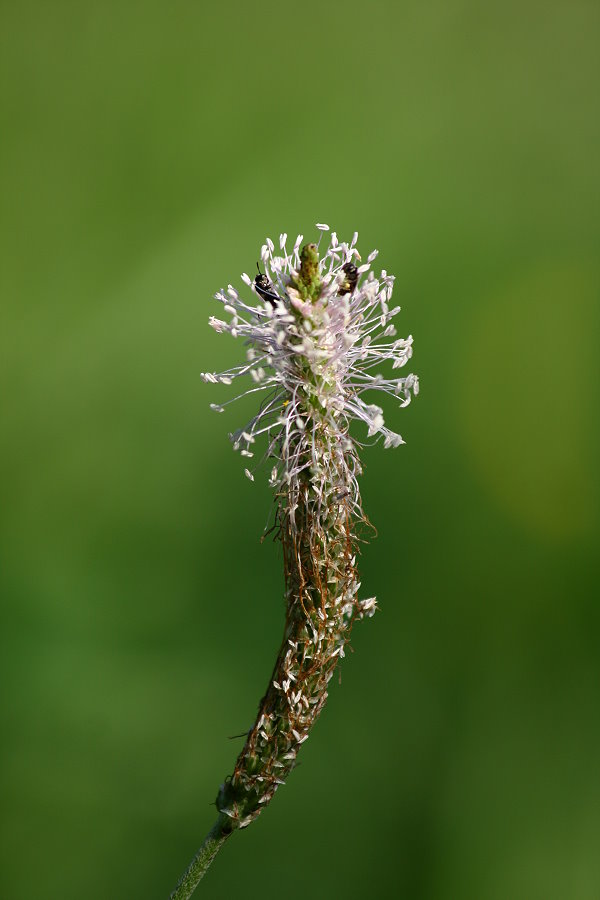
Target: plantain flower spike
317,331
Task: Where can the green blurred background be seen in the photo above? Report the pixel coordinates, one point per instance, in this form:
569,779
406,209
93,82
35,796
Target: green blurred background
146,151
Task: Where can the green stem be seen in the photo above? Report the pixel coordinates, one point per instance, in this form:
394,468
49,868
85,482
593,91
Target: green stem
196,870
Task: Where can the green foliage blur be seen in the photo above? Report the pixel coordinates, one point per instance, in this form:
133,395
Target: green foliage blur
146,150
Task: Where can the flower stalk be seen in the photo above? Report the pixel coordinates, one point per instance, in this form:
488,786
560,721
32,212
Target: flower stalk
320,329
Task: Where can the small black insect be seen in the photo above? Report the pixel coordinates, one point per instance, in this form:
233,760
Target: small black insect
265,289
351,279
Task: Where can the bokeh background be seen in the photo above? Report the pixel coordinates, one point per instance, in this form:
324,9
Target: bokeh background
146,151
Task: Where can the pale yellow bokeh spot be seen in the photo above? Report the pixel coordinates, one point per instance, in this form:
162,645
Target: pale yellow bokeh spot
529,399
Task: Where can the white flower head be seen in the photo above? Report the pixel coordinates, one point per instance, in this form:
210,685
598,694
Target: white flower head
320,345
